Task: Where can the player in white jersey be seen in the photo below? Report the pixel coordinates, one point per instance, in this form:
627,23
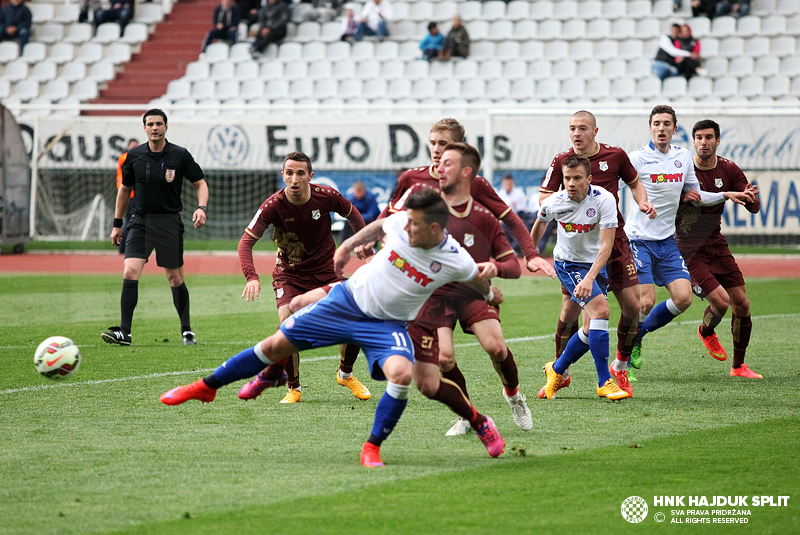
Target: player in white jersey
667,173
371,310
587,222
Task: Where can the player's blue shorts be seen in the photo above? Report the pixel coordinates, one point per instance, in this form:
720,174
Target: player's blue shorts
658,262
336,319
572,273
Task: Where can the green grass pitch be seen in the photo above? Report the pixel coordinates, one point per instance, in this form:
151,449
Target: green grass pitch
98,453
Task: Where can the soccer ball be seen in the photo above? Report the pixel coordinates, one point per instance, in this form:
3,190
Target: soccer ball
57,357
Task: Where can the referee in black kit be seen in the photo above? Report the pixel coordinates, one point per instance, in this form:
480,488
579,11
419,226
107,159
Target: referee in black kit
155,171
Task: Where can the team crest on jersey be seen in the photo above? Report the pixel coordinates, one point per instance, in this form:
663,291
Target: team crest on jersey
469,240
279,293
590,212
169,175
678,164
718,182
604,166
436,267
315,214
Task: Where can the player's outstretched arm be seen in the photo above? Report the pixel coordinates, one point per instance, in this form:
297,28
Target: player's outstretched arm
303,300
371,233
640,198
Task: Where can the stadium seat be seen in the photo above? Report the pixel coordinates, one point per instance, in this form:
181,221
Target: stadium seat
522,89
622,88
9,51
50,33
700,87
581,50
757,47
102,72
500,30
639,68
490,69
250,89
207,107
67,13
325,89
148,13
44,71
344,69
541,69
447,89
34,52
445,10
240,52
73,71
763,7
615,9
203,89
62,53
479,30
26,90
515,69
790,66
470,11
565,10
648,29
135,33
40,106
439,70
349,88
418,69
118,53
178,89
701,27
741,66
716,67
223,71
219,51
556,50
608,48
649,87
615,68
279,88
498,89
377,88
287,52
663,8
573,88
403,30
320,70
421,11
549,29
788,7
108,32
723,27
598,29
197,70
369,68
362,50
598,89
16,70
71,107
591,10
711,47
732,47
330,32
639,9
748,26
272,69
41,12
540,11
793,25
494,10
631,49
482,50
727,86
247,70
398,89
794,90
531,50
400,10
307,32
90,53
507,50
473,88
387,50
623,28
56,89
467,68
773,26
565,68
751,86
314,51
524,29
784,46
338,51
185,107
573,29
777,86
518,10
85,89
232,107
590,68
674,87
768,66
547,89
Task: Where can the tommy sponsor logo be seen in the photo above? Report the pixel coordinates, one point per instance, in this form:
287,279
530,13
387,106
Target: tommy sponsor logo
577,227
169,174
401,264
661,177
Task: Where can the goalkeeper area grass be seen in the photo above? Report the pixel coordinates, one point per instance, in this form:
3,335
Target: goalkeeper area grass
99,454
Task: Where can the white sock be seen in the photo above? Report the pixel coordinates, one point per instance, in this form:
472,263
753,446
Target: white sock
619,365
398,391
344,375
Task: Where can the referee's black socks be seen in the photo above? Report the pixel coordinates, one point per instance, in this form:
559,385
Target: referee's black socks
128,300
180,297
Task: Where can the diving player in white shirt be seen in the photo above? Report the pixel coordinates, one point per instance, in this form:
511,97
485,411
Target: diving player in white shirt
587,222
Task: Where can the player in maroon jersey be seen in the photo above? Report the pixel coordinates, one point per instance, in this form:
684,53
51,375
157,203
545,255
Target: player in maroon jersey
300,215
609,165
715,274
451,131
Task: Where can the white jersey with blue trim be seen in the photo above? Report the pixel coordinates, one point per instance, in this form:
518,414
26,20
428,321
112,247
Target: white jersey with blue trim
579,223
665,177
398,281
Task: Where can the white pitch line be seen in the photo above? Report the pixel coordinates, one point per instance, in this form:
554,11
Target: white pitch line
309,359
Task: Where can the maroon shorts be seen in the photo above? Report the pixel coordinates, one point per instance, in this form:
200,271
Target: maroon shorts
621,268
287,287
711,267
423,330
472,311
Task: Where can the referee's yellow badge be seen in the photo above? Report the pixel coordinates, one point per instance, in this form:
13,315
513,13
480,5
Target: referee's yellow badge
170,175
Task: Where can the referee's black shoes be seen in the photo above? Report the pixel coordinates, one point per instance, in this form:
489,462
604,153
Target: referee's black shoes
115,335
189,339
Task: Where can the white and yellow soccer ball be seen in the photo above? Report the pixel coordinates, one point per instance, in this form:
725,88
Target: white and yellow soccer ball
57,357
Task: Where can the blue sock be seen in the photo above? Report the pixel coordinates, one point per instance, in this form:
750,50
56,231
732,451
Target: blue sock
662,313
577,346
242,366
388,412
598,342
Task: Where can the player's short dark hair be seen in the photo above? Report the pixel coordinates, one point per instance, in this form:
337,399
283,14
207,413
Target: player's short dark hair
574,161
432,25
588,115
297,156
470,157
154,111
705,124
508,177
430,203
663,108
455,128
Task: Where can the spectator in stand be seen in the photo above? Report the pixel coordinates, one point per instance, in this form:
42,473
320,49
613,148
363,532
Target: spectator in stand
705,8
226,23
374,16
433,43
15,23
736,8
272,22
88,9
120,11
366,204
249,10
689,66
457,42
664,65
315,10
516,199
349,24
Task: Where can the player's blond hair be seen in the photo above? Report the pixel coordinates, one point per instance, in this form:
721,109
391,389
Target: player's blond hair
452,126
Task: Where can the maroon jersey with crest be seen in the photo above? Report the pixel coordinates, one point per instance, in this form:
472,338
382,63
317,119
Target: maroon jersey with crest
700,226
301,231
481,191
609,165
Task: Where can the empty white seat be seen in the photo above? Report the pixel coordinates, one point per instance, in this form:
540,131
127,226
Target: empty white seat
325,89
507,50
614,68
710,47
445,10
467,68
723,27
598,88
57,89
700,87
531,50
716,67
314,51
648,28
307,32
400,10
338,50
41,105
788,7
623,88
416,70
287,52
62,53
549,29
762,7
343,69
565,68
494,10
277,88
573,29
362,50
320,70
674,87
607,48
768,66
541,10
582,49
490,69
34,52
232,107
598,29
240,52
701,26
773,25
548,89
639,9
102,71
473,88
377,88
247,70
398,89
67,13
447,89
727,86
250,89
482,50
73,71
741,66
44,71
631,49
573,88
794,90
541,69
748,26
41,12
469,11
790,66
203,89
639,68
524,29
777,86
16,70
90,53
331,31
149,13
784,46
590,10
50,33
79,32
9,51
197,70
522,89
501,30
349,88
223,71
732,47
404,29
565,10
219,51
118,53
517,10
420,11
498,89
555,50
663,8
85,89
751,86
387,50
440,70
135,33
369,68
758,46
590,68
623,28
515,69
648,87
227,88
615,9
479,30
185,107
108,32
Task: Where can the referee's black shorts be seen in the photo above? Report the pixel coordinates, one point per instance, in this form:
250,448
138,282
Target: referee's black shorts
162,232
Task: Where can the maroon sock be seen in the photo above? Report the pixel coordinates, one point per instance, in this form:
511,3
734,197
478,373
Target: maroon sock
348,353
451,395
293,369
741,327
564,331
507,370
458,378
627,329
273,371
710,322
